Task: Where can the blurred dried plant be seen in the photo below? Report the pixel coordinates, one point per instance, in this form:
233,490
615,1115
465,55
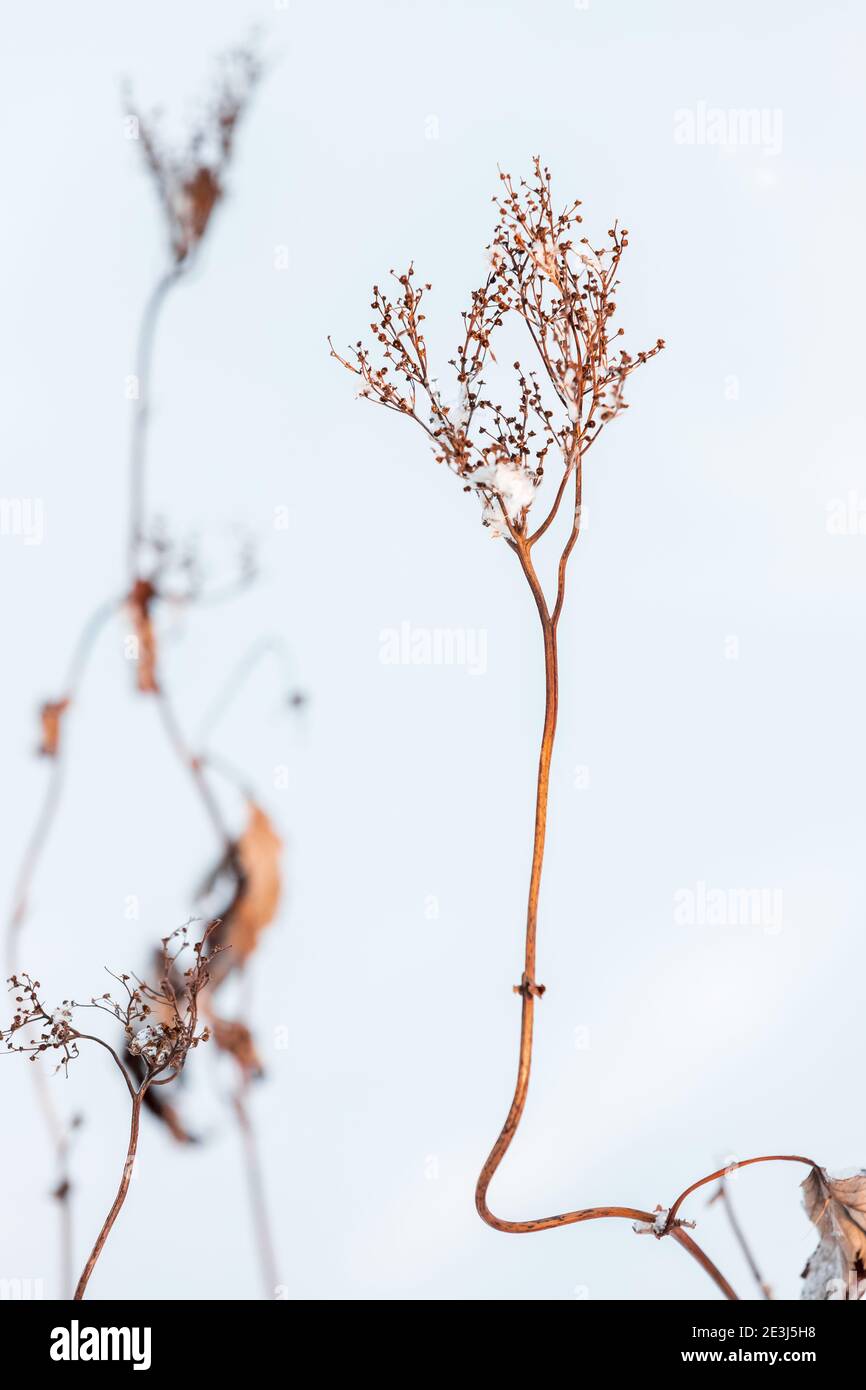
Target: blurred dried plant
561,289
191,181
161,573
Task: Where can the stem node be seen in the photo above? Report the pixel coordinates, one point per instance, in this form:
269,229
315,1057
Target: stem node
528,989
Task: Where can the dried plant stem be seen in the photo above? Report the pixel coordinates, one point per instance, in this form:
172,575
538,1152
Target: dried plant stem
685,1240
63,1195
141,419
62,1191
123,1189
256,1187
723,1195
529,989
729,1168
193,765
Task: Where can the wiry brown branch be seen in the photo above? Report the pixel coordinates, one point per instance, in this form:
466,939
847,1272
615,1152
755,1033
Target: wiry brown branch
730,1168
685,1240
141,417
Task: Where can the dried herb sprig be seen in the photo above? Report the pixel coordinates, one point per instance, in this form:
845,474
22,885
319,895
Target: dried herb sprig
161,1027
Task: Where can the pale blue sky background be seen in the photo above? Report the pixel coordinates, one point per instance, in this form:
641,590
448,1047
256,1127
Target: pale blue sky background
707,520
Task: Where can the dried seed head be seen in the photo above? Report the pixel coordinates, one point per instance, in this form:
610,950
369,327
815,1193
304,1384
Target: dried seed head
561,287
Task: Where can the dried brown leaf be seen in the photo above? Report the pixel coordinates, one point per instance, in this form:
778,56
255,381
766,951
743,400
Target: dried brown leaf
254,862
51,714
139,605
200,196
837,1206
234,1037
258,851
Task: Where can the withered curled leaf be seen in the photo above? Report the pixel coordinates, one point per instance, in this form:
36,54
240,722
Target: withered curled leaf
837,1206
255,866
51,714
139,604
200,195
234,1037
259,850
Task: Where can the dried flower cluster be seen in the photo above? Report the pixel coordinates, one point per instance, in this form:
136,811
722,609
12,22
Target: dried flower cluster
563,289
160,1024
162,1045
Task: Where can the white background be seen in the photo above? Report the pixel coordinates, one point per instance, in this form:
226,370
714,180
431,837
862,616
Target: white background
707,520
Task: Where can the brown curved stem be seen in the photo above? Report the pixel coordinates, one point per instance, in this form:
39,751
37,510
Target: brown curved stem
528,988
123,1189
684,1239
141,420
193,765
729,1168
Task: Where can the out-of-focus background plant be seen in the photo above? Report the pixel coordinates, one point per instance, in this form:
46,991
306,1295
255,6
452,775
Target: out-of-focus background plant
242,893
